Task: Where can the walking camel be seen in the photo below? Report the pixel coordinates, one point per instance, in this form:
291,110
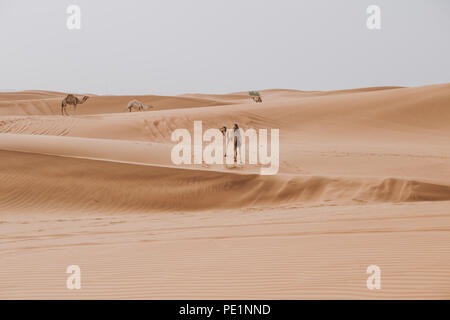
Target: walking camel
72,100
136,104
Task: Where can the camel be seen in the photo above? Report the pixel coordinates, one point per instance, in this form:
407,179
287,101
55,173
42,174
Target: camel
72,100
255,96
136,104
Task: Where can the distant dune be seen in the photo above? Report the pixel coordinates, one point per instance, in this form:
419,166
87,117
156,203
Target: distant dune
49,103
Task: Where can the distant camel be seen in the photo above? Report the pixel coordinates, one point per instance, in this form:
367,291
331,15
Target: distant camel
136,104
71,99
255,96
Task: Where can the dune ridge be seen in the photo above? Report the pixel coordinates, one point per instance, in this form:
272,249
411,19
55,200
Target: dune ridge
68,184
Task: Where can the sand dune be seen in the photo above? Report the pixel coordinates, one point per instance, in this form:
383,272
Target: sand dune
364,179
88,186
29,95
49,103
422,110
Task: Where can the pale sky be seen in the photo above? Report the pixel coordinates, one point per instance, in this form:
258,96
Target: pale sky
220,46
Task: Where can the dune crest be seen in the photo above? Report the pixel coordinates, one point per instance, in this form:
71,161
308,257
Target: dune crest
92,186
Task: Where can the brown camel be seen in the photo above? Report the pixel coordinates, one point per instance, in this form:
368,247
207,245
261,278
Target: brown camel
255,96
71,99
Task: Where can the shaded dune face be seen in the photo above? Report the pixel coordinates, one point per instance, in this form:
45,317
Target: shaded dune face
89,186
352,146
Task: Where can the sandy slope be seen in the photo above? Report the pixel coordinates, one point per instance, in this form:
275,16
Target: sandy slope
67,185
364,179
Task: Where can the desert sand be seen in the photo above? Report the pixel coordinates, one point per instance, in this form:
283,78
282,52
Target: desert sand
364,180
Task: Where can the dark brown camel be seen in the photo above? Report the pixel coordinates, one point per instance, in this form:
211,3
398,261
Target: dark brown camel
72,100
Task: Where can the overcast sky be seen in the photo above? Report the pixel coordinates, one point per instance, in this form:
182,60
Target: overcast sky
179,46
